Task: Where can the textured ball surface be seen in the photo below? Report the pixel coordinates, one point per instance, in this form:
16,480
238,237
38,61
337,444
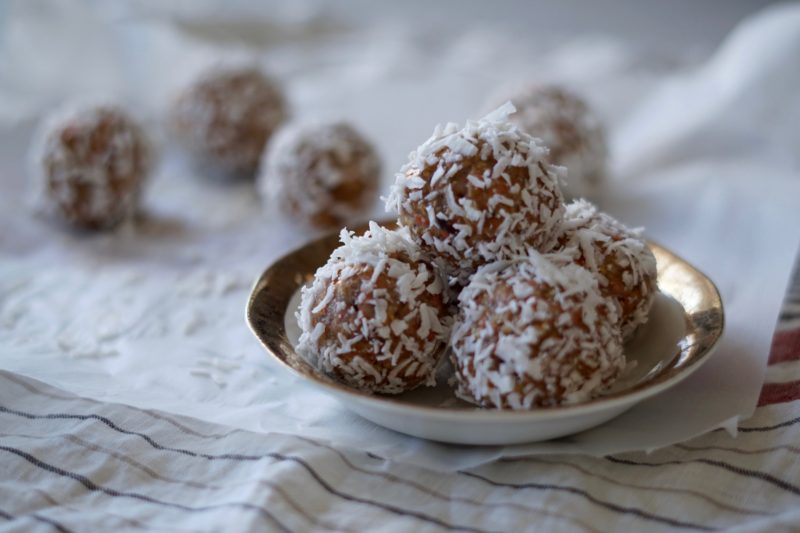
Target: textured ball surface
227,116
568,127
532,334
618,256
325,174
376,315
470,195
89,165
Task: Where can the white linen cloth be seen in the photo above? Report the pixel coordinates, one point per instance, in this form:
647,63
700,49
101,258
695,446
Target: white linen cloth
705,156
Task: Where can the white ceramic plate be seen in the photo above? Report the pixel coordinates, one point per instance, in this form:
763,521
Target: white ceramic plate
685,324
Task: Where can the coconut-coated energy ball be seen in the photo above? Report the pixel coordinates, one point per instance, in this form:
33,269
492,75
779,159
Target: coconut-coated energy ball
469,195
226,117
533,334
323,173
88,166
618,256
569,128
376,316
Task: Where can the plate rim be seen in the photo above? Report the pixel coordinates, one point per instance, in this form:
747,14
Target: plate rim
626,397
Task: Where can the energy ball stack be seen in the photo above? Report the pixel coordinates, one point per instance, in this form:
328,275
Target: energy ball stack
325,174
226,118
618,257
471,195
548,292
568,127
89,165
376,314
532,334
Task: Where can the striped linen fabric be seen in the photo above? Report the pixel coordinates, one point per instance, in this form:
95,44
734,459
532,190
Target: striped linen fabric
73,464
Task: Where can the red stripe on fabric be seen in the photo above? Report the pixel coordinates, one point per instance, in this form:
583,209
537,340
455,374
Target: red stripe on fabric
772,393
785,346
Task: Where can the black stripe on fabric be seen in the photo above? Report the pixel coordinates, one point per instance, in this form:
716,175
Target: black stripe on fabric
196,485
387,507
115,427
384,475
756,474
453,499
759,429
789,316
53,523
613,507
631,486
49,521
30,388
92,486
158,416
791,449
604,504
55,503
239,457
35,390
134,463
185,429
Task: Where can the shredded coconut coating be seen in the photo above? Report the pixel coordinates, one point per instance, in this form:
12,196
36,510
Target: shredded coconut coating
376,315
532,334
566,125
620,258
470,195
323,173
227,116
88,165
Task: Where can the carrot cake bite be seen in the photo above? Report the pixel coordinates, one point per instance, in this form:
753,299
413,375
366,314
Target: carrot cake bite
376,316
530,333
226,117
617,255
88,166
569,128
322,173
470,194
